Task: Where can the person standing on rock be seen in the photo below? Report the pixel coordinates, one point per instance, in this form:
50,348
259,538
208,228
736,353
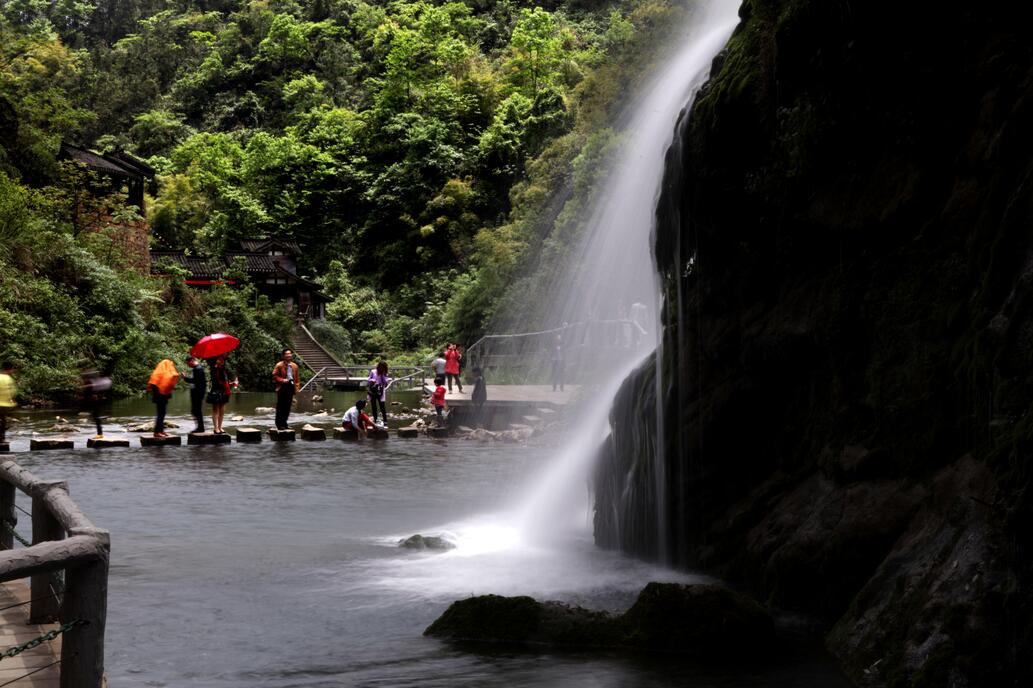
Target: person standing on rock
437,399
219,394
452,358
8,391
439,368
479,396
286,375
376,387
161,383
198,383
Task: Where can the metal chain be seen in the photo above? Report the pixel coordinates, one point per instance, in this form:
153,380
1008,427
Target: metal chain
49,635
19,538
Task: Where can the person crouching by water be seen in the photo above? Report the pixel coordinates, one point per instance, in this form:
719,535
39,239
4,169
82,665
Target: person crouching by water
356,419
219,395
288,382
95,389
438,401
8,391
376,387
198,383
163,380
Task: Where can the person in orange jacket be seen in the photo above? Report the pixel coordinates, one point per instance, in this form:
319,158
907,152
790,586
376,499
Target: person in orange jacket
287,377
161,383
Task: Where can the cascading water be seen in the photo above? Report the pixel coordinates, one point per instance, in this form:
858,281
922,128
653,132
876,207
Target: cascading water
613,269
610,270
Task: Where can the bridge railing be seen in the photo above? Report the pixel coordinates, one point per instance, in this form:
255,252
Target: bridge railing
67,567
586,347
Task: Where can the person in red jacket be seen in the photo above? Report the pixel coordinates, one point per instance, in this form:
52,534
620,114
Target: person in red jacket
438,400
452,359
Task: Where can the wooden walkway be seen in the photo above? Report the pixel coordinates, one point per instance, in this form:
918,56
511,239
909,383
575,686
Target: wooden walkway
515,395
15,629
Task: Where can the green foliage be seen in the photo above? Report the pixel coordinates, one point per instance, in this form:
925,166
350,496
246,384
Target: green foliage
416,149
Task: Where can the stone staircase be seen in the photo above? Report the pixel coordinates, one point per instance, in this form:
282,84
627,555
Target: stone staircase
313,355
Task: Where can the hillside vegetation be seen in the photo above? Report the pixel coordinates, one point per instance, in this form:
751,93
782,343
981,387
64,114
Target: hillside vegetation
428,156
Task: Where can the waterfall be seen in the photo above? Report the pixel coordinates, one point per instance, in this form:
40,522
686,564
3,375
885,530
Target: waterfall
613,270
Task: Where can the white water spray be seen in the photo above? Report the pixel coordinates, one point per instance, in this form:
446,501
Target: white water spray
514,551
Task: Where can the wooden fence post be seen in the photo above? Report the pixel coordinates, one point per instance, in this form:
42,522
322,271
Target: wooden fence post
86,597
6,514
45,587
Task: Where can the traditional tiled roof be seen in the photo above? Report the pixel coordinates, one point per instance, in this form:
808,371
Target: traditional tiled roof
200,268
289,246
255,263
118,164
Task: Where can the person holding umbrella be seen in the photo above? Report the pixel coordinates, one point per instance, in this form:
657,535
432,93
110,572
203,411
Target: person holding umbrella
219,395
214,347
288,381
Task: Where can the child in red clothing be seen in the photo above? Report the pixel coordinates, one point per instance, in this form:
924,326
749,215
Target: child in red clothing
438,400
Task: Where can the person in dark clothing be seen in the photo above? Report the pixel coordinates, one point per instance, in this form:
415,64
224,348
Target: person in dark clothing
198,383
95,388
222,384
479,396
287,377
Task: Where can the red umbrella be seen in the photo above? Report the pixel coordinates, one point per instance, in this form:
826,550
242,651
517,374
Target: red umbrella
213,345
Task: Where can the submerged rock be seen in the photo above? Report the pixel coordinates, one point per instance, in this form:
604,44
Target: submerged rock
427,542
698,620
63,427
149,426
264,409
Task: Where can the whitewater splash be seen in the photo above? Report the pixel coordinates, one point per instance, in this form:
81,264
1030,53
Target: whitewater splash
612,268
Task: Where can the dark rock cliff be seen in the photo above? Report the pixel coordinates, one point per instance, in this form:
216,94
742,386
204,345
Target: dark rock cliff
846,242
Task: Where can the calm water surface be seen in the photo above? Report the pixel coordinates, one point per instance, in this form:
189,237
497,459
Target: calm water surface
278,565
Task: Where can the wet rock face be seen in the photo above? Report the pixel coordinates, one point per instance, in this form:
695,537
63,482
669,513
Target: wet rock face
690,620
843,238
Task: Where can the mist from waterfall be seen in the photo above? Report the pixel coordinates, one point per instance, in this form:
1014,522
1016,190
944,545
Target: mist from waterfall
612,275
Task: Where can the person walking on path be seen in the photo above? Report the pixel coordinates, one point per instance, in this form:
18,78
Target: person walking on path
376,387
198,383
288,382
479,396
556,375
163,380
356,419
8,391
438,401
95,388
439,368
219,395
452,358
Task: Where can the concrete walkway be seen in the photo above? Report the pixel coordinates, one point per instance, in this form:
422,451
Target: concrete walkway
15,629
515,395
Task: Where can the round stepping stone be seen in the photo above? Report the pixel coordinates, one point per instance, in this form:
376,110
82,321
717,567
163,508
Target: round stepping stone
310,433
342,434
439,432
249,435
106,442
170,441
409,432
45,445
281,435
207,438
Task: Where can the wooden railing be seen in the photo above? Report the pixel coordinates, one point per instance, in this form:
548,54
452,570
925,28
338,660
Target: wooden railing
63,540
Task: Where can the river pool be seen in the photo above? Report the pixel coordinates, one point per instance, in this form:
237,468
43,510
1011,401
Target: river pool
278,564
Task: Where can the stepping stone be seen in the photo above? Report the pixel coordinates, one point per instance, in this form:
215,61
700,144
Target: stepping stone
5,447
249,435
439,432
44,445
409,432
342,434
170,441
533,419
281,435
207,438
378,434
106,442
311,433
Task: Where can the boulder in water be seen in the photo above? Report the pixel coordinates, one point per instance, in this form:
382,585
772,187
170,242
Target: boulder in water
264,409
237,419
697,620
63,427
427,542
148,426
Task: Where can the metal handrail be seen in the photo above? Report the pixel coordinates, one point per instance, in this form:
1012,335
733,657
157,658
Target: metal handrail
313,379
